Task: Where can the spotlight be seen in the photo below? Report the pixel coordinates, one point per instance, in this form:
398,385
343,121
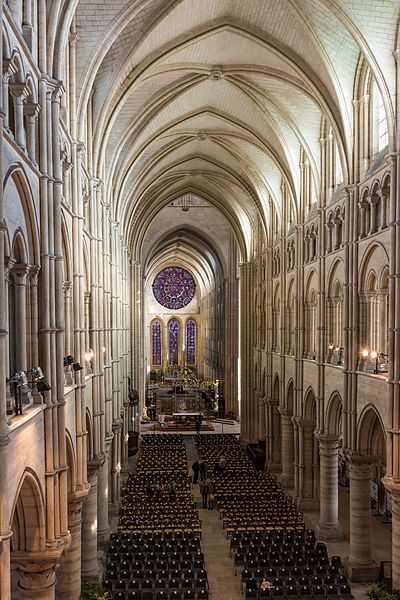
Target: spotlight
43,386
68,360
37,374
20,378
39,380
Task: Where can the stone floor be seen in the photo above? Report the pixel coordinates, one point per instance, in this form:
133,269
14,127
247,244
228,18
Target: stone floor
224,585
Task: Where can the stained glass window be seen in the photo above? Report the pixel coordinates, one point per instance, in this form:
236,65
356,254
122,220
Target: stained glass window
173,287
156,343
191,342
173,329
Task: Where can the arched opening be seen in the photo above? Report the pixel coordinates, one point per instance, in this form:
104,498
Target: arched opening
371,441
274,429
287,439
29,533
308,454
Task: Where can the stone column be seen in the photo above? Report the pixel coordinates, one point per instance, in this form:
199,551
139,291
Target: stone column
37,574
336,237
20,273
273,435
394,489
359,564
328,528
31,111
261,416
90,565
27,26
5,579
383,195
306,466
373,204
362,206
86,321
116,463
247,399
329,227
69,575
287,450
19,92
103,528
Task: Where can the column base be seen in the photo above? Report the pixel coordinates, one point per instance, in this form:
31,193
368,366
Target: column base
361,573
92,576
326,533
286,481
307,503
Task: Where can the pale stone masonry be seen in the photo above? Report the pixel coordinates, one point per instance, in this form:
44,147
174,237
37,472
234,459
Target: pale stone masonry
256,145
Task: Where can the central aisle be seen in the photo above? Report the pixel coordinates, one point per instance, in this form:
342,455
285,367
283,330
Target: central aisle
219,565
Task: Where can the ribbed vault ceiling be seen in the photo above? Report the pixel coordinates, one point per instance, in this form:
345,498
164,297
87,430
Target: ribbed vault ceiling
218,97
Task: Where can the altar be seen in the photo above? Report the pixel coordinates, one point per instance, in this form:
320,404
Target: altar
185,417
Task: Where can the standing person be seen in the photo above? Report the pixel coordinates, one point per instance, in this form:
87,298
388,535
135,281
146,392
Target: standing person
172,491
204,492
197,424
203,470
211,496
222,464
195,469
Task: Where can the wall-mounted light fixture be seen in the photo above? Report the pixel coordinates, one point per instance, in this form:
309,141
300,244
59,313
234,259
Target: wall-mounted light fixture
335,354
69,360
20,380
39,380
378,359
89,355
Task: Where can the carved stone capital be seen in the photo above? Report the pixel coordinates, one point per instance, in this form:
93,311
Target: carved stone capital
19,90
20,273
37,570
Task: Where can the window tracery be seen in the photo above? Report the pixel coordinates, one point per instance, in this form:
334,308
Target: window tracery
174,287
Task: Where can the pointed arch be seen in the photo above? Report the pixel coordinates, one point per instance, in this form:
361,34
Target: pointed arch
371,437
310,407
71,463
290,397
89,434
333,416
28,521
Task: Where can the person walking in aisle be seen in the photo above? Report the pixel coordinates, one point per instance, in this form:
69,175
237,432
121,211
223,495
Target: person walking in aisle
197,424
203,470
195,469
211,496
204,492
